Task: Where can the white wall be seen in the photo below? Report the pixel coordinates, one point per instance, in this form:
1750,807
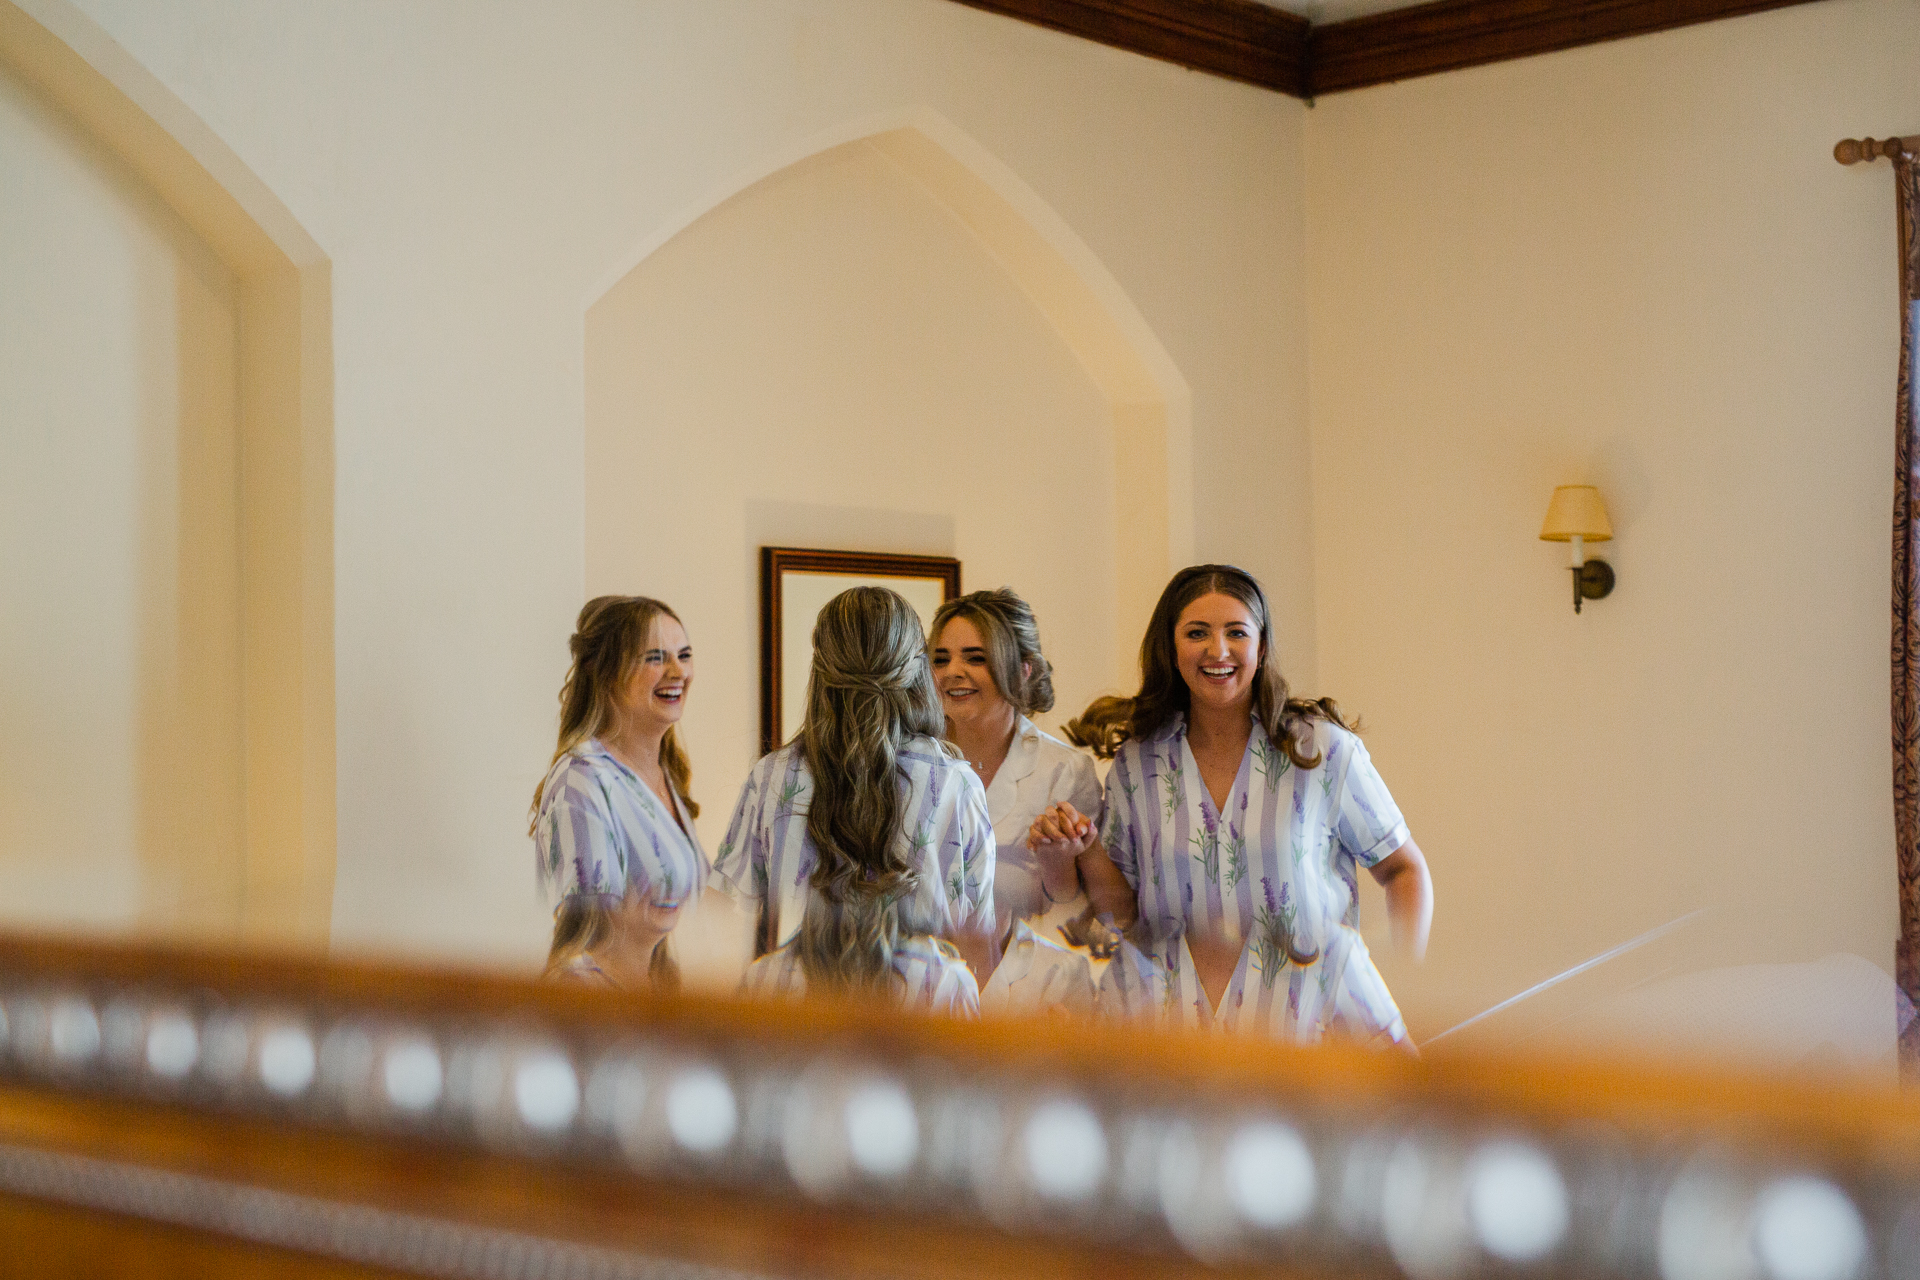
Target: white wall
832,359
477,175
1635,265
120,800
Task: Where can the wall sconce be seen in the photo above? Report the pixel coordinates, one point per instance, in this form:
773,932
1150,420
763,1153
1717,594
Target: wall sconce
1577,515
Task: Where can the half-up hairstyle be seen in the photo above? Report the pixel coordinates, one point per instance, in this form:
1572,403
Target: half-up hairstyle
610,638
1288,720
1020,671
870,692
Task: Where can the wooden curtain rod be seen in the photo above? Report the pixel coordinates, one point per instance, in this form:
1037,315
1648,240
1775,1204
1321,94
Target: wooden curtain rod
1854,150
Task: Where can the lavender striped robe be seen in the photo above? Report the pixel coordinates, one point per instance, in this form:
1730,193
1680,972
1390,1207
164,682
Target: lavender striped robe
1340,991
603,834
928,975
767,858
1284,853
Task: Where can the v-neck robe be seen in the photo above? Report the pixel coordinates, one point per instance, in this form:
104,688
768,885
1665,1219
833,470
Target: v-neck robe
1338,992
602,834
1283,856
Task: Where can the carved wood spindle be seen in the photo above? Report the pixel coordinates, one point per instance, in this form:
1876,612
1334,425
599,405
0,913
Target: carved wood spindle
1854,150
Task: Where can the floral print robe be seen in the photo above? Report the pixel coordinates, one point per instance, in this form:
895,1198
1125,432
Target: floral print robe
1281,858
767,858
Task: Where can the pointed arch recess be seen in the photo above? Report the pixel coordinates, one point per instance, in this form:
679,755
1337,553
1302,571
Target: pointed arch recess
285,359
1150,401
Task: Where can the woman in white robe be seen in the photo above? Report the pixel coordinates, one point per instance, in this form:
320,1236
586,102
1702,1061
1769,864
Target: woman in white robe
993,677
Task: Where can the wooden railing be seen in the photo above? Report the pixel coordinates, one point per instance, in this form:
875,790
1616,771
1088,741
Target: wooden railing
170,1111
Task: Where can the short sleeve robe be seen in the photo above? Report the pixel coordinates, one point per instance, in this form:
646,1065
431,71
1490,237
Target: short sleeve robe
1285,851
767,858
603,834
929,976
1339,992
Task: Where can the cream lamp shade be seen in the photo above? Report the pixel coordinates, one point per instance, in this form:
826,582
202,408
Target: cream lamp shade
1576,512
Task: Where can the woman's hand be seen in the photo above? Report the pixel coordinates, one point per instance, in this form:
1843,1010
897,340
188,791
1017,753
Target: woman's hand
1409,885
1058,837
1062,832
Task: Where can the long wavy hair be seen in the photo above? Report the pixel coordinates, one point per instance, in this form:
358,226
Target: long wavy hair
609,639
869,693
581,925
1021,673
1109,722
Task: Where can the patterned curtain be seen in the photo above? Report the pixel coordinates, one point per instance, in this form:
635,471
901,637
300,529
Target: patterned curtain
1906,621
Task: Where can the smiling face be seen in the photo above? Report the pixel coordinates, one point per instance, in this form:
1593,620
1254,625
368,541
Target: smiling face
1216,647
964,677
655,696
644,922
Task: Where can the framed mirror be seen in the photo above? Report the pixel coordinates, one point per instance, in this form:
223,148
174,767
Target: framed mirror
795,583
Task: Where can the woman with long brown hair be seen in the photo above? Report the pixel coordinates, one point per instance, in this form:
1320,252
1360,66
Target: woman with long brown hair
1238,812
612,820
864,843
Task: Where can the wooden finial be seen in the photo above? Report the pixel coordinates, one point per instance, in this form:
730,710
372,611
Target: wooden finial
1854,150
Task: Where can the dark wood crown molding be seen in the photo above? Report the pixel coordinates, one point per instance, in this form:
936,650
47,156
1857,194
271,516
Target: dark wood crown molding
1238,39
1447,35
1275,50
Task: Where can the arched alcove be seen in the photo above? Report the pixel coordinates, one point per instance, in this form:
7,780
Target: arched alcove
887,342
169,742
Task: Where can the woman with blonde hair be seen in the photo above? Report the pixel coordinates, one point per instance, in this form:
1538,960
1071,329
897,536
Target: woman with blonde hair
612,820
1240,814
864,843
992,677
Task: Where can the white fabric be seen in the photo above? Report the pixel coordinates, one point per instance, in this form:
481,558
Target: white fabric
1039,772
1283,853
767,857
928,975
603,834
1339,991
1038,976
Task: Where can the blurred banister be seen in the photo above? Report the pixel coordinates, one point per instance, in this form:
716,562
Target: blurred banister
290,1112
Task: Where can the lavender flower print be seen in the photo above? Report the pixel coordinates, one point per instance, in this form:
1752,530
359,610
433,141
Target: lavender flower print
946,834
601,832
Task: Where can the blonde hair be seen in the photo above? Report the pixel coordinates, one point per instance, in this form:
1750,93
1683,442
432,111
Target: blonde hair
581,924
1021,673
870,692
608,641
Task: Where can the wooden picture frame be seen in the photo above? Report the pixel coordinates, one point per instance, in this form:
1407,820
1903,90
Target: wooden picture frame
786,626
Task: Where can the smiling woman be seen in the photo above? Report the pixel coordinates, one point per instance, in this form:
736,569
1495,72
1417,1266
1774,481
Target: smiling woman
1240,814
613,824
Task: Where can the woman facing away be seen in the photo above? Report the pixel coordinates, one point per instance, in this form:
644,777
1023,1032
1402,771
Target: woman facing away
612,820
992,676
864,844
1240,814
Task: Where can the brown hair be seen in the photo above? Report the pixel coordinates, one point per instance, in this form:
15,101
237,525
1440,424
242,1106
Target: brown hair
869,693
1108,722
581,924
1021,673
609,639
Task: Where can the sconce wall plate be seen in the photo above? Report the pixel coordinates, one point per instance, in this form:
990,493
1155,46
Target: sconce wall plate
1592,581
